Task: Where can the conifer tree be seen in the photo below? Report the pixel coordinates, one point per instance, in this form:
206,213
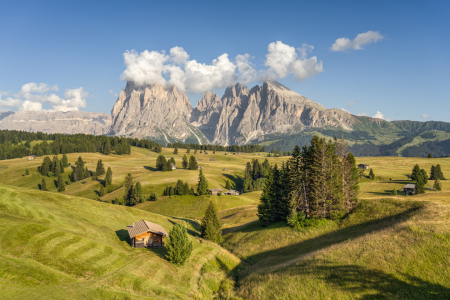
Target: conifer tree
394,192
415,172
211,227
202,188
100,170
178,246
228,185
438,172
432,171
108,177
185,162
27,172
424,175
193,163
161,162
138,192
420,185
94,176
107,148
437,185
102,191
45,167
188,150
265,208
430,155
61,166
43,185
65,161
175,151
371,174
61,187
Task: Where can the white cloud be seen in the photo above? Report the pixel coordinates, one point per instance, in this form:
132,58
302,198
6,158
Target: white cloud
425,116
283,60
378,115
351,103
344,44
32,95
112,93
363,114
176,68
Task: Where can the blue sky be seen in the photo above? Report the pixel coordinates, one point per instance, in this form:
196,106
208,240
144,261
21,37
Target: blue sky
64,46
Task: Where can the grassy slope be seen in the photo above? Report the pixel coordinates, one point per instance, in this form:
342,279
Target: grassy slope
386,249
58,246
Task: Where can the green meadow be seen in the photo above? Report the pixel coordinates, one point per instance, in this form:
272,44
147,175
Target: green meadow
75,245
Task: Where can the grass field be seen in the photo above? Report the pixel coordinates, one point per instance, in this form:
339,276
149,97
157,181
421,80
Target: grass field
67,244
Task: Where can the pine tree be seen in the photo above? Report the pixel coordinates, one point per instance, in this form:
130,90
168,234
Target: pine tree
161,162
265,208
107,148
371,174
185,162
211,227
420,185
178,246
430,155
202,188
228,185
432,171
61,166
94,176
175,151
424,175
102,191
415,172
43,185
45,167
437,185
188,150
438,172
65,161
61,187
108,177
27,172
100,170
193,163
138,192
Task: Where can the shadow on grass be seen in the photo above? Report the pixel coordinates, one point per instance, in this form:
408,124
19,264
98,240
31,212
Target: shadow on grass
375,284
123,236
160,251
237,180
244,227
284,254
191,222
150,168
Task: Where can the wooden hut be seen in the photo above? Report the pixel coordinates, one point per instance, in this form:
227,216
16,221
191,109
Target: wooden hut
224,169
232,193
363,166
215,192
212,159
173,166
146,234
410,188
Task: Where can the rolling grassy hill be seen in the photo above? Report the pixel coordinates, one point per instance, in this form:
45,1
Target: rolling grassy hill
55,246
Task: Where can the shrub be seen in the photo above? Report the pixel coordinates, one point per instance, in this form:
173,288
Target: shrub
179,246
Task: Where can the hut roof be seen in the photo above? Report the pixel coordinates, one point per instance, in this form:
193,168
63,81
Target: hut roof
410,186
145,226
232,191
215,190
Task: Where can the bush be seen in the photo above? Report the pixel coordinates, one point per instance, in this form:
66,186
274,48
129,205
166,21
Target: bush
179,246
298,220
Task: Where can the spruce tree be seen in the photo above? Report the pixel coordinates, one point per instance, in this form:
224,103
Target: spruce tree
27,172
185,162
128,185
100,170
265,208
138,192
102,191
371,174
43,185
438,172
432,171
193,163
108,177
394,192
175,151
61,166
65,161
161,162
61,187
107,148
228,185
211,227
45,167
188,150
178,246
415,172
202,188
437,185
94,176
420,185
424,175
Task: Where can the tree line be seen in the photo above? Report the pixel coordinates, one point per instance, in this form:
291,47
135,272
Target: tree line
233,148
318,181
255,175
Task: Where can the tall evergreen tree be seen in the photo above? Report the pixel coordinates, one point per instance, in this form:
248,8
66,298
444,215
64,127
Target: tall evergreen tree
94,176
27,172
102,191
43,185
178,246
107,148
188,150
100,170
420,185
65,161
138,192
45,167
61,187
61,166
227,185
437,185
211,227
415,172
193,163
432,171
265,208
202,187
438,172
161,162
108,177
424,175
371,174
128,189
185,162
175,151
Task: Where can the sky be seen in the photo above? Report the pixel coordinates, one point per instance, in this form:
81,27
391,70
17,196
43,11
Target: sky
389,59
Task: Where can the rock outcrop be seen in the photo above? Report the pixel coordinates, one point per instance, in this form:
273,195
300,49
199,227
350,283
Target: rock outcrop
56,122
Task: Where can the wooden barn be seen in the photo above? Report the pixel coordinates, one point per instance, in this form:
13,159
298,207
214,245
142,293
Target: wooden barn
410,188
146,234
215,192
232,193
363,166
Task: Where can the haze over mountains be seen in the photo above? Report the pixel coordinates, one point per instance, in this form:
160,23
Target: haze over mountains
165,114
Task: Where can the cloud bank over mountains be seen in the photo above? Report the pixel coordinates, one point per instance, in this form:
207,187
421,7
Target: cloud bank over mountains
176,68
31,97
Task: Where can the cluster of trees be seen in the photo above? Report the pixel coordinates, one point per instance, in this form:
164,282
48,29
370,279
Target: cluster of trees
278,153
436,172
255,175
53,167
319,181
420,176
233,148
133,193
80,172
164,165
181,188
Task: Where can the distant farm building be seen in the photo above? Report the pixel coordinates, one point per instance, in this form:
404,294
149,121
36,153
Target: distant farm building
199,167
31,157
224,169
363,166
146,234
173,166
199,159
215,192
409,188
232,193
212,159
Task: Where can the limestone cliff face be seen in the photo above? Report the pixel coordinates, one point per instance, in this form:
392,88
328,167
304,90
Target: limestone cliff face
245,115
56,122
153,112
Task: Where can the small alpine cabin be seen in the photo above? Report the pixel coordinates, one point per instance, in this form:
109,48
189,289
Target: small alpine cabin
145,234
215,192
173,166
232,193
363,166
410,188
